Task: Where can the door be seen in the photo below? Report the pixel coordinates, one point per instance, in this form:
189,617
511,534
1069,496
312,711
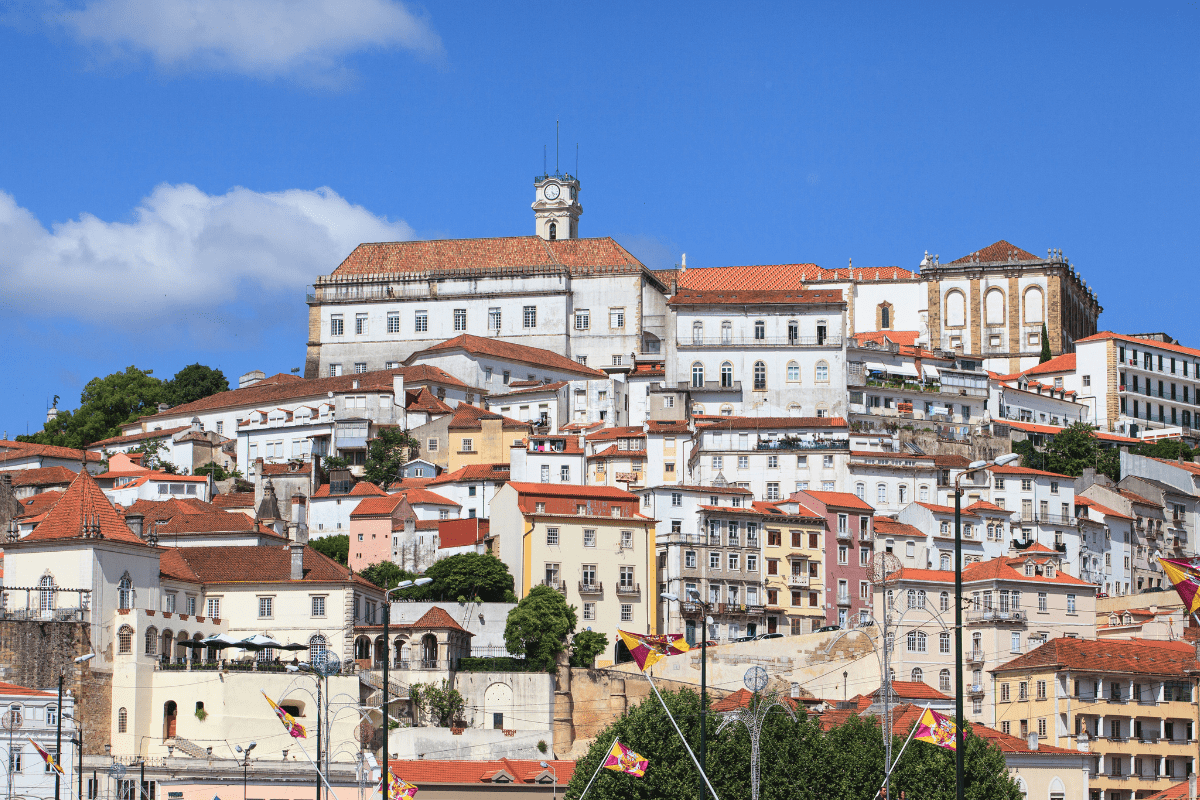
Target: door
170,710
772,624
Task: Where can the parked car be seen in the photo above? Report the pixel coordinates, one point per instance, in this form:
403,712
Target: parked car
829,628
744,639
771,636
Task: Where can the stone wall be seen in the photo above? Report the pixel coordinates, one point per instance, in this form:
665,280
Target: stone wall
33,653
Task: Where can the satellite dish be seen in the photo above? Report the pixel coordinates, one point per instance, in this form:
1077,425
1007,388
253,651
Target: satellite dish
755,679
116,771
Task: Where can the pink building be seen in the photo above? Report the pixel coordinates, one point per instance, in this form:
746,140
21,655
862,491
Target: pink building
371,529
849,545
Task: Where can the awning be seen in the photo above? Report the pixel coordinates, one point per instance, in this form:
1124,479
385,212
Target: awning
931,371
904,369
874,366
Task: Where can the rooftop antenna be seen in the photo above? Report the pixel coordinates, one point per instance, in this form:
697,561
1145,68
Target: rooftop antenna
556,147
543,159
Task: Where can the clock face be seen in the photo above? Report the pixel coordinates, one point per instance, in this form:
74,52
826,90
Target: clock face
552,191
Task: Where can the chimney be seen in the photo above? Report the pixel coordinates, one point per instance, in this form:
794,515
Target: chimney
582,440
683,266
410,528
196,426
134,521
297,552
298,527
1033,740
1192,786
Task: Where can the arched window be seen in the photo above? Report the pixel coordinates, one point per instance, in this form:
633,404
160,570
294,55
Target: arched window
945,561
697,408
885,316
726,410
760,376
726,375
122,721
881,493
943,642
944,597
793,409
993,312
697,375
923,492
726,332
125,639
553,231
697,333
1033,306
151,641
912,598
956,309
822,372
125,593
917,675
920,598
316,650
860,490
46,593
760,329
916,641
902,493
793,372
944,680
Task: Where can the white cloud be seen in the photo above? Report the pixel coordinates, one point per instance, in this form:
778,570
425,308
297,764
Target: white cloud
185,254
265,38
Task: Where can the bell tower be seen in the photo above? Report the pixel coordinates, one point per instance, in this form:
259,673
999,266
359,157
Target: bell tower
556,207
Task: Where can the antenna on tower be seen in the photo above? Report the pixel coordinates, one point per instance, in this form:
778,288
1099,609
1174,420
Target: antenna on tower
556,147
543,159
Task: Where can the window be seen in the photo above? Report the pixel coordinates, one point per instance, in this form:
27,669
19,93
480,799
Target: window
589,610
460,319
151,647
944,602
335,325
213,607
1042,605
698,375
822,372
360,367
944,644
334,371
916,641
793,372
616,318
626,540
589,537
726,375
689,559
760,329
529,316
843,554
125,639
618,360
1004,696
744,461
552,536
318,606
265,607
494,319
626,612
733,561
1070,604
393,322
773,491
714,560
881,493
468,445
760,376
583,319
718,462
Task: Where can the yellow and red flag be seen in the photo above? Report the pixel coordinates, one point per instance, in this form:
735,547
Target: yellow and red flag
49,759
936,729
289,722
396,787
647,648
621,759
1184,575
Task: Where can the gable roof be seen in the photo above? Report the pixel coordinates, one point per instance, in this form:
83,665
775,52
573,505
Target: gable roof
535,387
1050,430
837,500
886,526
915,690
474,472
83,500
774,276
15,451
470,418
25,691
462,532
1060,363
39,504
436,617
425,400
508,351
137,437
755,297
377,506
234,500
1131,656
417,495
1000,251
1148,343
1080,500
263,564
360,489
43,476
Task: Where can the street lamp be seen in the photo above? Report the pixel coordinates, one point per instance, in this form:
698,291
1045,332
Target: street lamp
245,764
387,657
554,773
959,748
694,596
58,730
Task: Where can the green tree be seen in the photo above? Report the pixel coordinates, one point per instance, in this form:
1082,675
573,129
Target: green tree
442,705
384,574
470,576
104,405
539,627
1074,449
585,646
334,462
1045,346
218,472
337,548
194,382
1169,449
151,452
387,453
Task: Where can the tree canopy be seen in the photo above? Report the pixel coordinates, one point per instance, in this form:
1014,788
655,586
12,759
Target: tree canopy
470,576
384,574
387,453
585,646
337,548
539,627
1170,449
1074,449
194,382
798,761
1045,354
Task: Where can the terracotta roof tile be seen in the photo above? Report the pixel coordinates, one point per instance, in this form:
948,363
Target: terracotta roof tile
508,351
234,500
172,566
627,432
1131,656
1001,251
941,509
137,437
39,504
666,426
1009,469
698,297
1060,363
377,506
836,500
44,476
425,400
83,499
741,699
262,564
906,338
474,472
428,771
462,532
417,496
15,451
773,276
915,690
951,461
361,489
12,688
711,422
470,418
1080,500
437,617
1050,430
984,505
536,387
885,526
1179,791
1148,343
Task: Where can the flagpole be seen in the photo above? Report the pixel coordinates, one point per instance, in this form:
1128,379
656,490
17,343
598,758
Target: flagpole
318,769
888,774
599,767
681,738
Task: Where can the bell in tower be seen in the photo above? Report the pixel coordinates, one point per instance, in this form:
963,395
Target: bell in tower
556,207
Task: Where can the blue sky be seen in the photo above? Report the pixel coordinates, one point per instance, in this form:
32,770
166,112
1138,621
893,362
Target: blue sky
174,172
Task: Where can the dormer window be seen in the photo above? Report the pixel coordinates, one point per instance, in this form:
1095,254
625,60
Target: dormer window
1029,568
1049,570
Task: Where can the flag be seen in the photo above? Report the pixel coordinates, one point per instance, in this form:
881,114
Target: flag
396,787
621,759
49,759
289,722
936,729
646,649
1184,574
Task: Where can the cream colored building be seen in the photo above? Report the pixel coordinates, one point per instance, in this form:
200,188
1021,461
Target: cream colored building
589,542
1129,704
794,567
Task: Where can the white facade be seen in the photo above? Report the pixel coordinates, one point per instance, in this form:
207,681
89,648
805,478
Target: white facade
39,713
754,454
1140,386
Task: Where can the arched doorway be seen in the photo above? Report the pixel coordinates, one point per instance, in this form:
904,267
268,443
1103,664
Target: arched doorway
429,651
170,711
379,651
362,648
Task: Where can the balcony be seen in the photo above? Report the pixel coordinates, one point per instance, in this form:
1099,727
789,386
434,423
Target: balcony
712,386
1117,700
976,688
767,341
691,610
799,581
629,588
591,588
843,599
1047,519
1016,617
555,584
974,657
844,535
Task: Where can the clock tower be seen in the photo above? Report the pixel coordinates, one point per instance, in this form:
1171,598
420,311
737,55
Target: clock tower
556,207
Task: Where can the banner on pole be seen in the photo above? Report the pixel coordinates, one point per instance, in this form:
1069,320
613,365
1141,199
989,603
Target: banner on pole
936,729
621,759
1184,575
289,722
647,649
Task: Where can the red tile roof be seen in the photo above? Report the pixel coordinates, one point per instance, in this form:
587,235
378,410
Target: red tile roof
1050,430
428,771
505,255
470,418
741,699
137,437
15,451
885,526
83,500
951,461
462,532
698,297
377,506
1179,791
906,338
984,505
836,500
1080,500
1061,363
214,522
425,400
361,489
39,504
417,496
629,431
666,426
437,617
915,690
263,564
44,476
1005,569
508,351
536,387
1132,656
162,510
572,490
234,500
1010,469
713,422
1001,251
474,472
1148,343
773,276
172,566
941,509
25,691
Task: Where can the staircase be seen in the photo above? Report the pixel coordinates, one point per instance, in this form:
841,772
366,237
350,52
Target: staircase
191,748
375,681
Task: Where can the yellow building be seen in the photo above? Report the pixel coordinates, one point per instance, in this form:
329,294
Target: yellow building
793,552
589,542
469,436
1130,704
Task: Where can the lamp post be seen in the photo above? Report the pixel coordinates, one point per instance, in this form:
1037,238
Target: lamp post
554,773
58,730
959,748
245,764
387,658
704,607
